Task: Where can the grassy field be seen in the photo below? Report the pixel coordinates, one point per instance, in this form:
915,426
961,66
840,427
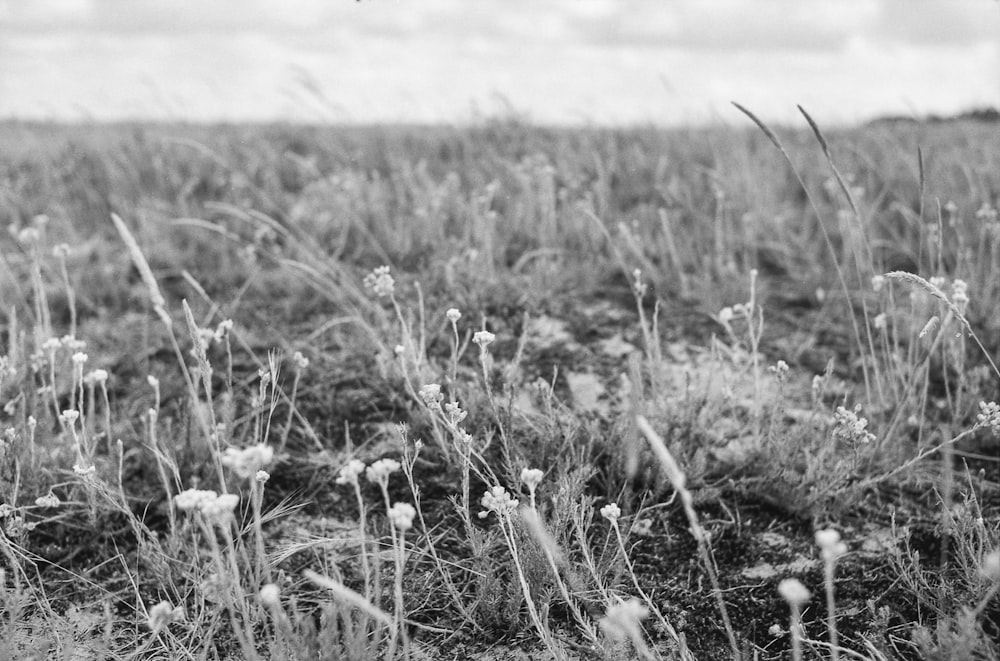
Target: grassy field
500,392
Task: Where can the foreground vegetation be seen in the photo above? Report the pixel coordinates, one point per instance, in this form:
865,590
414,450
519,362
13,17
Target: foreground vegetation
295,393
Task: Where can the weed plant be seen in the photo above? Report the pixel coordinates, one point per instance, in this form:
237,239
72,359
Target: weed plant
285,393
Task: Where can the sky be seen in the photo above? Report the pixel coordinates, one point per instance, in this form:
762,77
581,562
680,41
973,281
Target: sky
671,62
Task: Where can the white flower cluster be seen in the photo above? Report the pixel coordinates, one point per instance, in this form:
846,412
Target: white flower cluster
380,282
213,506
851,428
498,501
349,473
989,416
163,614
248,461
611,512
483,339
380,471
431,394
830,545
792,591
401,515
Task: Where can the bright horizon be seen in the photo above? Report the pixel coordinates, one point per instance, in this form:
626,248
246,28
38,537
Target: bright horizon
577,62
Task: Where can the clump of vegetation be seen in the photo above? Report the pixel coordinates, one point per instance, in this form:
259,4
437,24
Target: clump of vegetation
295,393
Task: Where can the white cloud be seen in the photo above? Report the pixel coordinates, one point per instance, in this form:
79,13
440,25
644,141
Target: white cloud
600,60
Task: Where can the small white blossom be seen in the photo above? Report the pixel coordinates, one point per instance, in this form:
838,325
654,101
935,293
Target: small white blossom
989,416
455,413
611,512
725,315
779,370
70,416
879,321
247,461
301,362
79,358
220,509
850,427
270,595
380,282
48,500
498,501
991,565
349,473
878,282
380,471
483,338
453,315
401,515
162,614
192,499
262,476
431,394
153,381
531,478
830,545
98,377
792,591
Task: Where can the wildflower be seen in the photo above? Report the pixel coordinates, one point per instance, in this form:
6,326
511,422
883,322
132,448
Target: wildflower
792,591
301,362
986,213
349,473
380,282
380,471
453,315
622,620
401,515
48,500
28,236
851,428
98,377
431,394
69,416
830,545
639,288
399,350
192,499
270,595
726,315
611,512
220,509
72,343
531,478
779,370
246,462
989,416
878,282
498,501
84,470
776,630
162,614
455,413
79,358
153,381
879,321
483,338
938,281
262,476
